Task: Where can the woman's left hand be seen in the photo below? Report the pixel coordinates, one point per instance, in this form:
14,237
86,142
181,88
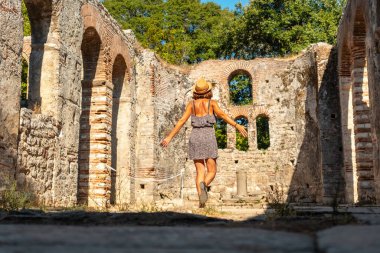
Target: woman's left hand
165,142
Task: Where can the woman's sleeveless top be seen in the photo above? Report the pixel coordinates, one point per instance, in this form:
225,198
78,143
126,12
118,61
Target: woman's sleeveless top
204,121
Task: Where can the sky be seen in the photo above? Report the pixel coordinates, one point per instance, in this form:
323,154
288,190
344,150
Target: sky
227,3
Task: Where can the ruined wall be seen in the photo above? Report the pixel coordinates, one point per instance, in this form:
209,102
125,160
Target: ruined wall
38,146
160,94
329,119
358,66
10,79
56,67
99,105
292,93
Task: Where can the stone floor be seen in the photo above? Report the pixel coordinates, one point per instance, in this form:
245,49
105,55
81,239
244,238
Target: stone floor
180,232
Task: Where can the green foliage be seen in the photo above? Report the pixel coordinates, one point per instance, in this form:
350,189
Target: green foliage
221,133
280,27
24,80
12,199
180,31
241,141
262,128
27,28
240,89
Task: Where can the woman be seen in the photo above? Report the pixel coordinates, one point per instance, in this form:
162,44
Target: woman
203,148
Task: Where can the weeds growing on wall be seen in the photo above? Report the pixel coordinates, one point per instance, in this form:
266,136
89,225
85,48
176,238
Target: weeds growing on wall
12,198
277,201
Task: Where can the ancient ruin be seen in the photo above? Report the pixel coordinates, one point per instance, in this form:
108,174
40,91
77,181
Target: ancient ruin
98,105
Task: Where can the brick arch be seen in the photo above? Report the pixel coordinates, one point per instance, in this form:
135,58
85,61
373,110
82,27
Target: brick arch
260,110
237,68
112,41
92,53
92,20
240,111
345,60
119,49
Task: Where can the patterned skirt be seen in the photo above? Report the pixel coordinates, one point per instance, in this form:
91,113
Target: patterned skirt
202,143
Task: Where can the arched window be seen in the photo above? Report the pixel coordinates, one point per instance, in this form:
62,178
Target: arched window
240,85
221,133
241,142
262,128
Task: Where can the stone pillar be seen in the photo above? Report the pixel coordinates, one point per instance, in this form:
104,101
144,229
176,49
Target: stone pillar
11,38
348,140
241,177
122,180
252,140
363,139
43,91
231,137
95,144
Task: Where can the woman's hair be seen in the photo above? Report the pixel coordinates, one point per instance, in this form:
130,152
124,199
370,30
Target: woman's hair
207,95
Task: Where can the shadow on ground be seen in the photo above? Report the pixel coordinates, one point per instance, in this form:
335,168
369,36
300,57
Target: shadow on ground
301,222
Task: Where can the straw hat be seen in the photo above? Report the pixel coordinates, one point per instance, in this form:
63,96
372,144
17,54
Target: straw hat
202,86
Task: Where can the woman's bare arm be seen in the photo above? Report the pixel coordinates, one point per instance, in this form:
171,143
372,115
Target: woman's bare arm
227,119
178,126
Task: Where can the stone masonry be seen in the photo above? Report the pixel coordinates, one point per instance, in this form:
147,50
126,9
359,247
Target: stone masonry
99,104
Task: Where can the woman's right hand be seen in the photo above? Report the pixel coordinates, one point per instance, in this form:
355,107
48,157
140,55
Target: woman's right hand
242,130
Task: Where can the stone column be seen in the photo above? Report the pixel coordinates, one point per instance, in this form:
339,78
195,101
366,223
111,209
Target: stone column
43,79
252,141
11,38
95,144
363,139
231,137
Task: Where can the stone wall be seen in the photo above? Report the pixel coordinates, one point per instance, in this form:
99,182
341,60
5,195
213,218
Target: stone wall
99,105
287,91
10,79
38,152
161,97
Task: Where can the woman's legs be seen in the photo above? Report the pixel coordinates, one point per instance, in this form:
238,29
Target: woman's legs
200,166
211,171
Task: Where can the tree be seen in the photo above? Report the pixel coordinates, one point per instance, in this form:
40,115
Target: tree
262,128
241,141
27,28
221,133
279,27
240,89
180,31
